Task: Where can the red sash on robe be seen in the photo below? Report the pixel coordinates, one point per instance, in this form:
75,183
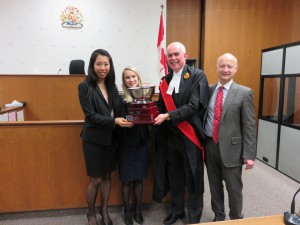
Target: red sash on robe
183,126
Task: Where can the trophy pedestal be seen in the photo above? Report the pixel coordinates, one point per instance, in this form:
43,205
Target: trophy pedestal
142,113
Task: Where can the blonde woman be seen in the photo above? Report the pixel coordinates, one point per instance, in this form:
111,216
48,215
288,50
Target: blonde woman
133,154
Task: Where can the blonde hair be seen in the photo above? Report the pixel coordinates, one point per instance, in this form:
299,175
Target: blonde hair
126,94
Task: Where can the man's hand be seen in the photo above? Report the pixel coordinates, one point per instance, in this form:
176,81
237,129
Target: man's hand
161,118
249,164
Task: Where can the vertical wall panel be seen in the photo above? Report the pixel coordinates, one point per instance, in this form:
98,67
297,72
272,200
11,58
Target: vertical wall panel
243,28
267,142
183,24
289,152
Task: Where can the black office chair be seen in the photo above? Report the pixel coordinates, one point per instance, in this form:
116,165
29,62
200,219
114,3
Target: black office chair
76,67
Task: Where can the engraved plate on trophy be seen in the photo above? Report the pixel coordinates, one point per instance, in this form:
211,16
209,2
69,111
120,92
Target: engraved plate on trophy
142,110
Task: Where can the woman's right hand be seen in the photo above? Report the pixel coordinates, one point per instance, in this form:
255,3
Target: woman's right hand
123,122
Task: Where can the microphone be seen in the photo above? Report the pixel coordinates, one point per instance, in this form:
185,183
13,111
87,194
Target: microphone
290,218
293,203
58,71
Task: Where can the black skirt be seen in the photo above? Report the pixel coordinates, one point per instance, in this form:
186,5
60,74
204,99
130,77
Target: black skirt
133,162
133,153
99,159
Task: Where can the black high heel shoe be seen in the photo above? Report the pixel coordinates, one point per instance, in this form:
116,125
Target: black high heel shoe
91,217
102,221
138,217
127,217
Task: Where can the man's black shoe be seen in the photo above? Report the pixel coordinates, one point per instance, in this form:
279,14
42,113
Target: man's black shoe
170,219
216,219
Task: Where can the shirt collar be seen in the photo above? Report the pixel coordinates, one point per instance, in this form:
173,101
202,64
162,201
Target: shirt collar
226,86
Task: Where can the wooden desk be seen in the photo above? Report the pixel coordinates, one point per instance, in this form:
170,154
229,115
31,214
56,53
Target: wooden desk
265,220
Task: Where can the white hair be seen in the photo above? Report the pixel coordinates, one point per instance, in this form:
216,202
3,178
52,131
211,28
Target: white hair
228,56
179,45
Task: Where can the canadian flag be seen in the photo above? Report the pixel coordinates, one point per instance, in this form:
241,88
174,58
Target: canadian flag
184,126
162,64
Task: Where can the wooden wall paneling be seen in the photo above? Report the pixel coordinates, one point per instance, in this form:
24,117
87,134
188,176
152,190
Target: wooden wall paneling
42,167
48,97
244,28
183,25
271,97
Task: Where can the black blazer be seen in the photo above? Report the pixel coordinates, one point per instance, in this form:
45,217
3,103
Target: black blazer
98,124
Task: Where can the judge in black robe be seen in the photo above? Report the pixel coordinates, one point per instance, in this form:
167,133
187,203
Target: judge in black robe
179,161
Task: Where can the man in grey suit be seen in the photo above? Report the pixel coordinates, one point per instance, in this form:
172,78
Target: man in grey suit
231,138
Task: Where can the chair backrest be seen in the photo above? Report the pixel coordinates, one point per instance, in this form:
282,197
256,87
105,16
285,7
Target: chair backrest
76,67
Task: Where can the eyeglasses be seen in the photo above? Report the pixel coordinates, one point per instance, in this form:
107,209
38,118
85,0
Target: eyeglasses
223,66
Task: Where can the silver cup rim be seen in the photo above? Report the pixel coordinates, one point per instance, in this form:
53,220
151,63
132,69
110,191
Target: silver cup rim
141,87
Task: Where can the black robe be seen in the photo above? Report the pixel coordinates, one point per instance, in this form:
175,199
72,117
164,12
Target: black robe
191,104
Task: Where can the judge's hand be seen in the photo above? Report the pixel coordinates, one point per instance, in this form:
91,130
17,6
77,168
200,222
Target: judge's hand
161,118
123,122
249,164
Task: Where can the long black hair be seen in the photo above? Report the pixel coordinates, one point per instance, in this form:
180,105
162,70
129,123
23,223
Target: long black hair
110,79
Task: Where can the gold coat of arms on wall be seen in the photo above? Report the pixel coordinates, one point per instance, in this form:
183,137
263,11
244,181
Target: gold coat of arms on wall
71,17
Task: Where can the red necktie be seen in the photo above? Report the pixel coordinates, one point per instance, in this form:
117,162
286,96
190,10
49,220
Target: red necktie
217,116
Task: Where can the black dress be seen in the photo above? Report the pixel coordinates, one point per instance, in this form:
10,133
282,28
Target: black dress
133,153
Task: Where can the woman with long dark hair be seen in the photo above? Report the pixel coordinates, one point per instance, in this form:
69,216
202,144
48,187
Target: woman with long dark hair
101,105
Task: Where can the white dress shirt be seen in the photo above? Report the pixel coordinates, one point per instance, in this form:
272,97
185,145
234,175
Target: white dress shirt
211,106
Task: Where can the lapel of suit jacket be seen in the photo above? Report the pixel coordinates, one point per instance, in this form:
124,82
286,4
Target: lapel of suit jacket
211,90
229,98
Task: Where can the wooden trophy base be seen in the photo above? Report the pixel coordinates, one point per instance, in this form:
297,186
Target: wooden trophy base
142,113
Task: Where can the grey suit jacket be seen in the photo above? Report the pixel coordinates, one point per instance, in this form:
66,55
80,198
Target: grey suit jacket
237,132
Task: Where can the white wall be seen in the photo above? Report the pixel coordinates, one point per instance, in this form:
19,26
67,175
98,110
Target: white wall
34,42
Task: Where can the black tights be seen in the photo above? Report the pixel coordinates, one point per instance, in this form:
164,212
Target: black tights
92,191
137,186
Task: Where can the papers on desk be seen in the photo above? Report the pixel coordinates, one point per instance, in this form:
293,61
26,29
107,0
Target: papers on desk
12,112
12,116
14,103
4,117
20,115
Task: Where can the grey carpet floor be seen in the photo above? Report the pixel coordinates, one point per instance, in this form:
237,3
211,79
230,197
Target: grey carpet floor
266,192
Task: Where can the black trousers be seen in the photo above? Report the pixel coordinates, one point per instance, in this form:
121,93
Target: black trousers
178,170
